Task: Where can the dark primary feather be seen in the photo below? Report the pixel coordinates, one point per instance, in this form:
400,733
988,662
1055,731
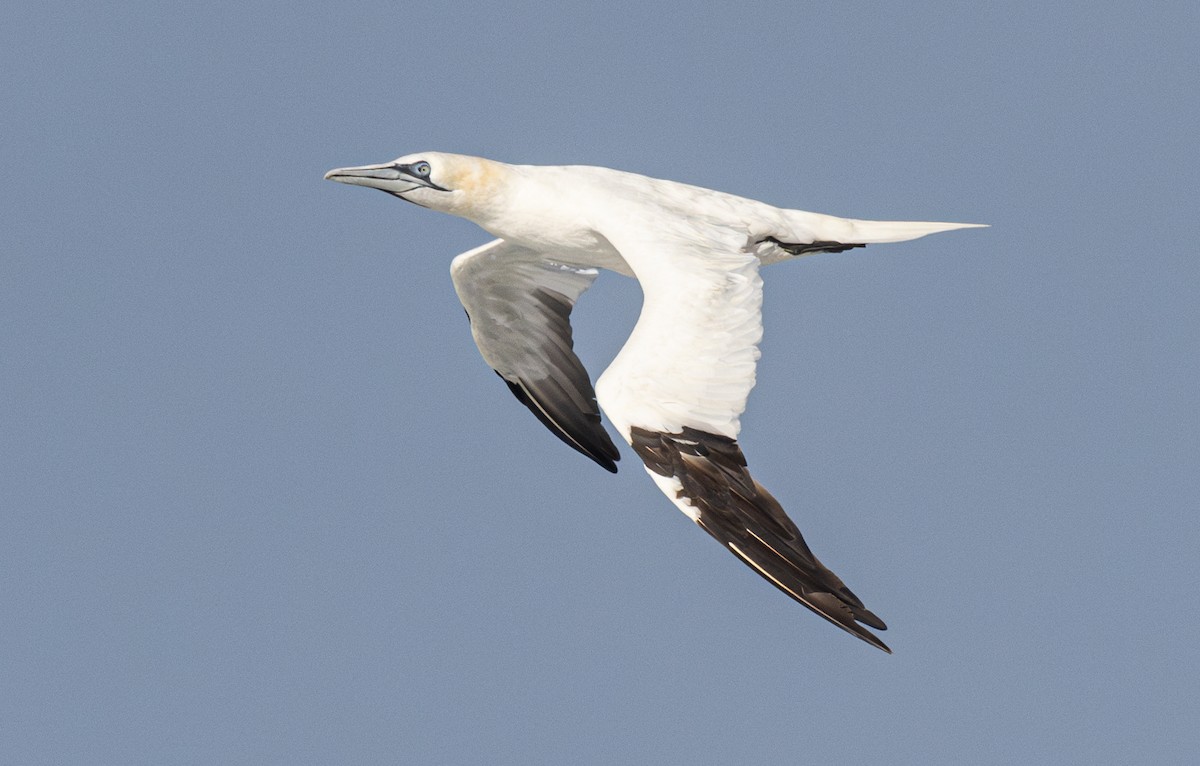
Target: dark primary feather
747,520
575,426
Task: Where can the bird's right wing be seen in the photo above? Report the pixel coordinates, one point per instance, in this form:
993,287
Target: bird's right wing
676,391
519,303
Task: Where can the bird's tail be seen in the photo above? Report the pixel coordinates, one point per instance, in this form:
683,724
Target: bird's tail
814,232
870,232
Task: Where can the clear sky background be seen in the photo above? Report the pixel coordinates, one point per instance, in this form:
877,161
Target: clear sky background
261,501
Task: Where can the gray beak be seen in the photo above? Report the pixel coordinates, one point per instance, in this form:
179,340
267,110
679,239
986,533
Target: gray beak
366,175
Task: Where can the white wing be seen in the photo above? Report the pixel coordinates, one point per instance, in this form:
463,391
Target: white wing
691,358
519,303
678,387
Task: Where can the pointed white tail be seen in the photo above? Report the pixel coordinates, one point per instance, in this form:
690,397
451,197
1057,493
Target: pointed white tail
868,232
817,227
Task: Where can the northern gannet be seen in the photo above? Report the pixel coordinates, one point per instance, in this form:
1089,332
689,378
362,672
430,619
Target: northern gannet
678,386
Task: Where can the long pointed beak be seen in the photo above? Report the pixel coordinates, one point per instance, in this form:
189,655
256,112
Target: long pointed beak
365,175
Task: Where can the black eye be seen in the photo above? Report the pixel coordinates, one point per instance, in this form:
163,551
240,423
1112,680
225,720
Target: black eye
422,169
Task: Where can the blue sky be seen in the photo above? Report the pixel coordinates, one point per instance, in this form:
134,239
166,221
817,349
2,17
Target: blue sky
262,502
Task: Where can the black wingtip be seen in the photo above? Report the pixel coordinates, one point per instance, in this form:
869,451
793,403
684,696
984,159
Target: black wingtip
743,516
588,438
867,617
836,610
872,639
608,464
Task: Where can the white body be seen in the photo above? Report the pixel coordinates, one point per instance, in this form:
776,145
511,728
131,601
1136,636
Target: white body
691,359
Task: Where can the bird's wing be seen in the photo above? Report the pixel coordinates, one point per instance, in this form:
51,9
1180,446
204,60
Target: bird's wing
676,390
519,303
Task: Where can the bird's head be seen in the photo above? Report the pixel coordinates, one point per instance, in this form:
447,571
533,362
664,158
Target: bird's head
451,183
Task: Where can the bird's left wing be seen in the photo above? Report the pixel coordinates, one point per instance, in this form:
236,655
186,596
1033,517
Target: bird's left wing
519,303
676,391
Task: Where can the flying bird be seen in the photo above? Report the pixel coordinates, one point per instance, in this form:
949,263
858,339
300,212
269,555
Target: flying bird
678,386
